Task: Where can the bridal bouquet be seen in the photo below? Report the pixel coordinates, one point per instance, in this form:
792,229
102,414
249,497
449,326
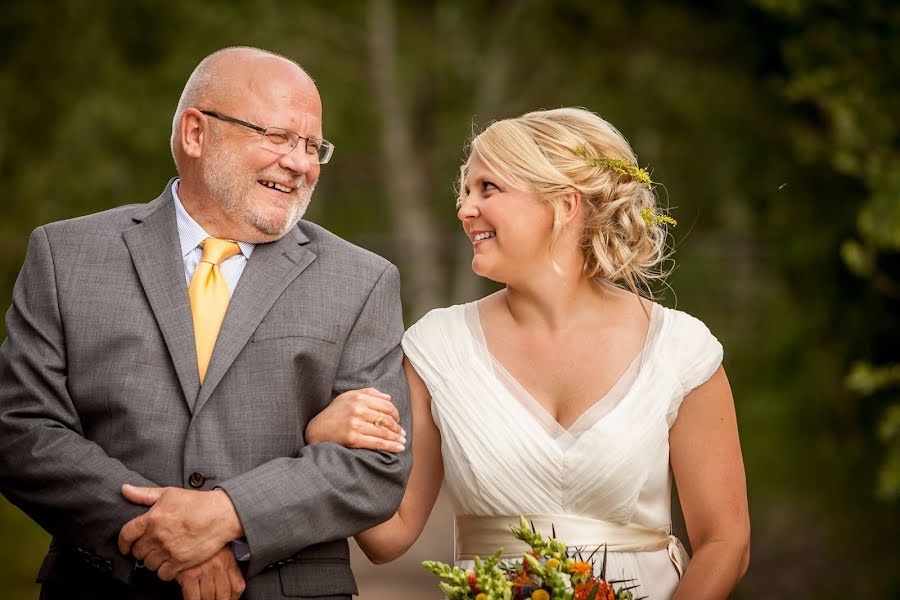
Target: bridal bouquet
547,572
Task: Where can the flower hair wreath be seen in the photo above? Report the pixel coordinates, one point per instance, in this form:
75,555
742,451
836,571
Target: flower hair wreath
651,217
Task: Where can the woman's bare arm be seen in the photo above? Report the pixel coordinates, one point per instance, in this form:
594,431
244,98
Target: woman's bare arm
706,459
393,538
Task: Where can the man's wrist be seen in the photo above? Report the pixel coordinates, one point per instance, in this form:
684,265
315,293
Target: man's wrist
226,516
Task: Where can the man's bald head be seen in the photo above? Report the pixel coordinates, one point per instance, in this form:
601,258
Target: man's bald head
223,79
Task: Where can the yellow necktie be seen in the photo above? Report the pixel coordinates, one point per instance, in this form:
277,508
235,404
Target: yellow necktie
209,297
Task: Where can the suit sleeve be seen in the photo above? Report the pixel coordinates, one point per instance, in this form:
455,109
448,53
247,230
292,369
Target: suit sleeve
330,492
63,481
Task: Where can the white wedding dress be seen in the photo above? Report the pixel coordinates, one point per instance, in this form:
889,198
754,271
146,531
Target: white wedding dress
604,480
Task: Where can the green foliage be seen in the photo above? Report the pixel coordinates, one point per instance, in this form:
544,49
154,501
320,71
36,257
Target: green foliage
552,548
454,579
831,68
20,555
889,431
489,579
865,379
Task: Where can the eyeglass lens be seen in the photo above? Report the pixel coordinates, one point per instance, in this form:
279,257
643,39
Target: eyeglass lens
283,141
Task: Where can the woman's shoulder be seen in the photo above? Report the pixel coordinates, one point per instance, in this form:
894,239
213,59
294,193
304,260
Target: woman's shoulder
436,342
437,319
688,347
683,328
440,329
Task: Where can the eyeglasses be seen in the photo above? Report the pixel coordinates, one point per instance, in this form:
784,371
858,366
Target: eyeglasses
282,141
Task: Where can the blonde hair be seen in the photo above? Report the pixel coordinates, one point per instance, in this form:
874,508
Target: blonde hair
547,153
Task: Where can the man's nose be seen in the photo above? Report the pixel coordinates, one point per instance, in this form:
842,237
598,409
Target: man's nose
298,160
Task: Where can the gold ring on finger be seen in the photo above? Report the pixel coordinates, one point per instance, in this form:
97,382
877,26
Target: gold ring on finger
380,420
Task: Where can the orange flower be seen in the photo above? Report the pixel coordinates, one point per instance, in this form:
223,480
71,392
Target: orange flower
522,578
604,590
580,568
580,571
583,590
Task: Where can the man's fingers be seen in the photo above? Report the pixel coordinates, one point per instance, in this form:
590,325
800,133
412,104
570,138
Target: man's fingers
190,587
131,532
153,560
223,583
141,548
167,571
207,585
141,495
237,581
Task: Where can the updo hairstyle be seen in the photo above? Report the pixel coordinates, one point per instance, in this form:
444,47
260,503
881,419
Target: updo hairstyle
549,153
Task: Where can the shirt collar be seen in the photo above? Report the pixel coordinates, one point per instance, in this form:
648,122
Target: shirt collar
190,233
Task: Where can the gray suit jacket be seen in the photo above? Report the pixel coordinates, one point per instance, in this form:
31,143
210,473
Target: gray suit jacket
99,387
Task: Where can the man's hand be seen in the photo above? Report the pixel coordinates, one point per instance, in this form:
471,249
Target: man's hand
219,578
182,529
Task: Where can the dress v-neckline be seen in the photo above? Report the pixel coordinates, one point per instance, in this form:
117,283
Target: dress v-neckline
596,413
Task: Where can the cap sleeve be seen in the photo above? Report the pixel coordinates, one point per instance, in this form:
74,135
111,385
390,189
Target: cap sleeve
426,345
695,354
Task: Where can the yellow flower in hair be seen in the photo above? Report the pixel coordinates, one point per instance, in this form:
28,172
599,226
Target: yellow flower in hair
653,218
622,167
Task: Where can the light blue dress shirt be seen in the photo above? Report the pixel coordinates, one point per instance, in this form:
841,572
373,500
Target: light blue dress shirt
191,235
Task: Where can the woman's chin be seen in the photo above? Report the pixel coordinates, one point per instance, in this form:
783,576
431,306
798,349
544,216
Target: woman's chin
481,268
478,266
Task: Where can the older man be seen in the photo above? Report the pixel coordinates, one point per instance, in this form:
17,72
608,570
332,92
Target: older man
170,355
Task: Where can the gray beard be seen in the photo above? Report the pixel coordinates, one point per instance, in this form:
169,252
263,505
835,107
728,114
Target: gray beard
232,195
305,192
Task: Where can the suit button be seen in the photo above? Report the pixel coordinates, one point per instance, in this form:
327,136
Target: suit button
197,480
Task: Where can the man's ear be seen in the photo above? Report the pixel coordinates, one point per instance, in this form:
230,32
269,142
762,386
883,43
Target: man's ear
191,132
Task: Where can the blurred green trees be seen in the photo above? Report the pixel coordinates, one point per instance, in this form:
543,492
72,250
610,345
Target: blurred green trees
773,126
834,57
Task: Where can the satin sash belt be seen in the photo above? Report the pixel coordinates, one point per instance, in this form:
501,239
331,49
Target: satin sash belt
482,536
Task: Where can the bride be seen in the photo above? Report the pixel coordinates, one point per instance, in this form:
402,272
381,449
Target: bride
566,396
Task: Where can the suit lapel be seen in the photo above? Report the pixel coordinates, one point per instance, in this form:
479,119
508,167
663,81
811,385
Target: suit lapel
271,268
156,253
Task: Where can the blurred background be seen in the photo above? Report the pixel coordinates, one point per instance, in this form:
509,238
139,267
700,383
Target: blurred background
774,126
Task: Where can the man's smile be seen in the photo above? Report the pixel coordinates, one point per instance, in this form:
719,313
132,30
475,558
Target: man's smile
276,186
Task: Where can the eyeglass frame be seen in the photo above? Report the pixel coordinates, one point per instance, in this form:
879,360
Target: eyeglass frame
262,131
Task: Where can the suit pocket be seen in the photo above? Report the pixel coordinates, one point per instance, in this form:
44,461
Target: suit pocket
314,579
278,331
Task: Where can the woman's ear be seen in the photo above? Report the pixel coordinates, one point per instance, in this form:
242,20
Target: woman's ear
571,205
